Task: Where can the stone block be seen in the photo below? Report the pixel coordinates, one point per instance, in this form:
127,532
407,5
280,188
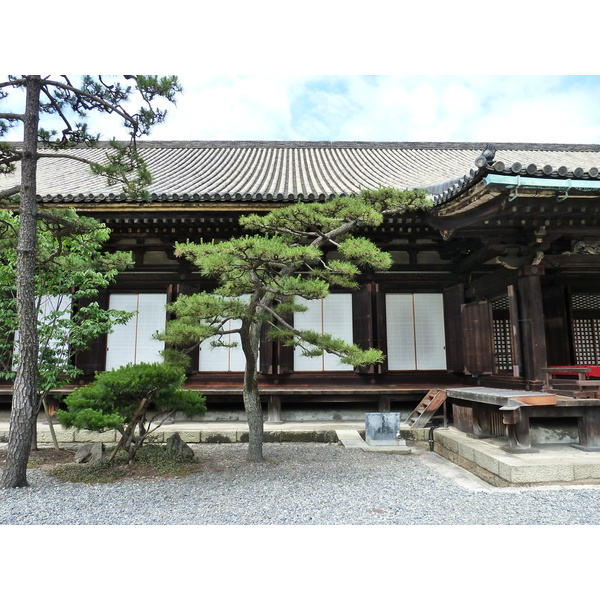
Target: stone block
63,436
487,462
420,434
297,436
94,436
466,451
448,440
325,437
272,436
584,472
505,471
190,437
223,437
542,473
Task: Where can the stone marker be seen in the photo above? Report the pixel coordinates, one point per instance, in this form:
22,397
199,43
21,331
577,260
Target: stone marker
381,429
178,446
89,453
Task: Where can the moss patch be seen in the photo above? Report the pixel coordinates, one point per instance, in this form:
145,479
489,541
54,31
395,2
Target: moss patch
217,438
152,461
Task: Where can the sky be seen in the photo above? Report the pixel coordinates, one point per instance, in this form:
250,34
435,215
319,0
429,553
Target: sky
379,108
323,70
548,109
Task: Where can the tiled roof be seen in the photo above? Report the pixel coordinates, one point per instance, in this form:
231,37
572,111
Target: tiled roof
540,161
263,171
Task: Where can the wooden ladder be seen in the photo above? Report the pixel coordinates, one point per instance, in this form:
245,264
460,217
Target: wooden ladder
426,408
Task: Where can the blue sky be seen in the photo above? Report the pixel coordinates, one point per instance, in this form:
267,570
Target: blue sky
420,108
550,109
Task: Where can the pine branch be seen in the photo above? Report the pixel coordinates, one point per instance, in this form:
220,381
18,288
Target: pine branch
12,116
10,192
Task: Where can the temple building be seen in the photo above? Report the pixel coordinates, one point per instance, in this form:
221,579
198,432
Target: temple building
498,282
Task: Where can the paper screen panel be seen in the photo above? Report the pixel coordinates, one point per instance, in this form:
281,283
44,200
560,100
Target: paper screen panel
332,315
312,320
220,358
400,332
223,358
429,332
337,321
151,319
132,342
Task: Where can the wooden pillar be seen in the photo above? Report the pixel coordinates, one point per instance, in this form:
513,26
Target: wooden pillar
274,410
558,324
518,431
481,421
515,331
362,322
589,430
384,404
94,358
478,341
532,325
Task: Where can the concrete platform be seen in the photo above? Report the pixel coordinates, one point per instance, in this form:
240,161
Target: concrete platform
552,464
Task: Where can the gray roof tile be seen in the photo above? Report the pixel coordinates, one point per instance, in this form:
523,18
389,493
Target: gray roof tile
255,171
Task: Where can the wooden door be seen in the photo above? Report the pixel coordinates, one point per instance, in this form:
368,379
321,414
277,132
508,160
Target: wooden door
478,344
454,298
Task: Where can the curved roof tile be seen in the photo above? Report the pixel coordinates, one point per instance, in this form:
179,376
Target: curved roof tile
254,171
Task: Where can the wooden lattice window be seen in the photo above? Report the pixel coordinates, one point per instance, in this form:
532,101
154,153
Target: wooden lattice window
586,328
502,338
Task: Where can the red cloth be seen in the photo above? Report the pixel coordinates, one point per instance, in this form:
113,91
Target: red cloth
594,370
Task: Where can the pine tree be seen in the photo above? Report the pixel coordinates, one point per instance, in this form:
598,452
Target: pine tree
47,97
261,277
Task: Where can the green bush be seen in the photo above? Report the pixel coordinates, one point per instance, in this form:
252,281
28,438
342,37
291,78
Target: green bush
120,400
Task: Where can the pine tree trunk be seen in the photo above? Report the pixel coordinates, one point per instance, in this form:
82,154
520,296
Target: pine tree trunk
24,411
250,338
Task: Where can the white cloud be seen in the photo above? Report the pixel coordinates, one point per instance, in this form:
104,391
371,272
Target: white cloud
503,109
230,108
544,109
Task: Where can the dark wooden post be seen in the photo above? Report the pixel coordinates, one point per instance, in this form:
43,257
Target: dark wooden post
532,325
589,429
482,421
384,404
479,422
362,321
380,324
515,332
518,431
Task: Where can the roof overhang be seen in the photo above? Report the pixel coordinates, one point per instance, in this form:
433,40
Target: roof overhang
518,183
492,195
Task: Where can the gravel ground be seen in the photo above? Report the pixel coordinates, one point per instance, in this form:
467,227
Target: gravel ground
300,484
